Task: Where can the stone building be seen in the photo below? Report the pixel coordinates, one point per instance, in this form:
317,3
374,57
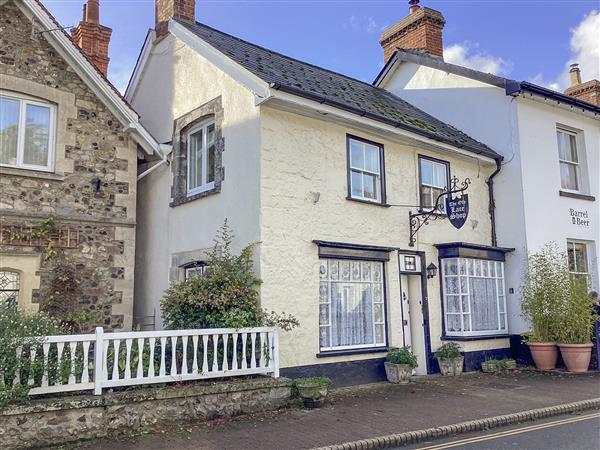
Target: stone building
68,167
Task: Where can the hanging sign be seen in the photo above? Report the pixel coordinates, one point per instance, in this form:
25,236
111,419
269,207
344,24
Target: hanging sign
457,209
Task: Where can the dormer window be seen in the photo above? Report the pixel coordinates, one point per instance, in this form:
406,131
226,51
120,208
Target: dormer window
26,133
201,157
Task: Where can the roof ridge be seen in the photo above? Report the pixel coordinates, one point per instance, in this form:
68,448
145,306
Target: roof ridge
286,56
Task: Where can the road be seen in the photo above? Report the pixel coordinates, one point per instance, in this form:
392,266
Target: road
569,432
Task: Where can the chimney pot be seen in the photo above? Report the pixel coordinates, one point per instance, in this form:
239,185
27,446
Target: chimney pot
413,6
91,11
575,74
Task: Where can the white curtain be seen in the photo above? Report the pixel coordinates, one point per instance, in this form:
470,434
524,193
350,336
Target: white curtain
484,304
351,314
37,135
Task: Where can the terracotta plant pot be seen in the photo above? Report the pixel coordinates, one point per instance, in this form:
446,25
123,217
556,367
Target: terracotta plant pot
398,373
576,356
544,354
451,366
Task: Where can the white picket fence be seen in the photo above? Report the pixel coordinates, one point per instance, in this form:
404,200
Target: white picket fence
101,360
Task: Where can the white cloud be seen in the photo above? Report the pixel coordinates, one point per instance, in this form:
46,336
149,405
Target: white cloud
364,24
469,55
585,50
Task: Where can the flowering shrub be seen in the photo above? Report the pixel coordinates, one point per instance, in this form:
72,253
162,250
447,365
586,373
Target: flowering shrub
225,295
19,329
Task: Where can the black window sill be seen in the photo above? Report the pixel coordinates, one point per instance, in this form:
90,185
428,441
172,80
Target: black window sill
357,351
589,198
385,205
475,338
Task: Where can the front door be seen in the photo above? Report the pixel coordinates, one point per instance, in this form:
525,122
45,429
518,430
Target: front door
412,313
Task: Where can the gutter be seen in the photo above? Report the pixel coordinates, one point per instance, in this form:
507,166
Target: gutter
492,204
362,113
515,88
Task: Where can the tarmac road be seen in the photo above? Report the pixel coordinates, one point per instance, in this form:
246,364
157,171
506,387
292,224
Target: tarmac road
569,432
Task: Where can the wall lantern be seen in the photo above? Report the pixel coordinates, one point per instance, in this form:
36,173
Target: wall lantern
431,270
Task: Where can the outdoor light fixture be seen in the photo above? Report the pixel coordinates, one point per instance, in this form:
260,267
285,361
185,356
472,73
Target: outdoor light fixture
431,270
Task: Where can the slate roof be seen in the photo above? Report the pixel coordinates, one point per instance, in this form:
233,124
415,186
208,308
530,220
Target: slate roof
334,89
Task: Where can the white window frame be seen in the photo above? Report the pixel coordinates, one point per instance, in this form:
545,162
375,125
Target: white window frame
576,164
500,283
202,126
571,243
446,167
23,102
199,267
378,175
382,323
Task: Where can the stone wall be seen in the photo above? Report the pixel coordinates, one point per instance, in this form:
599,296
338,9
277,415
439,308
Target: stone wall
69,419
92,188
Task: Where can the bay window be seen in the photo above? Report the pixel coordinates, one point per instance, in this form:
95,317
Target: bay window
474,297
351,304
26,133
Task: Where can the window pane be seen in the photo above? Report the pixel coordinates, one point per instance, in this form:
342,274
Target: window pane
426,201
568,176
453,322
567,147
356,182
9,130
483,304
440,175
356,154
372,158
195,162
435,193
370,183
426,172
581,265
210,160
37,135
451,266
9,287
353,310
452,304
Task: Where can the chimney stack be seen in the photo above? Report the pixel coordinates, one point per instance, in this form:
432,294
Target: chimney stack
587,92
92,37
421,30
165,9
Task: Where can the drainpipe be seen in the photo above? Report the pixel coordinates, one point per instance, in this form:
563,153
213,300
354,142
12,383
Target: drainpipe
492,205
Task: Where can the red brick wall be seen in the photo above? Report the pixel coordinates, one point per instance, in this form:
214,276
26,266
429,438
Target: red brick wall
94,39
587,92
165,9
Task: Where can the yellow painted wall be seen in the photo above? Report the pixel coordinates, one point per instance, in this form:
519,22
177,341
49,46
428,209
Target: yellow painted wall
303,190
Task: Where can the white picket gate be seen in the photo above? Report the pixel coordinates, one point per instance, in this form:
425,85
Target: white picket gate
102,360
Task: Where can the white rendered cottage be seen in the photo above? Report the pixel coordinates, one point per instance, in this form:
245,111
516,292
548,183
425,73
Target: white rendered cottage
322,170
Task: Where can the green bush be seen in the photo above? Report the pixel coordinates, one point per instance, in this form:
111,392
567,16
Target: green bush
402,356
20,329
312,381
577,318
226,296
546,289
448,350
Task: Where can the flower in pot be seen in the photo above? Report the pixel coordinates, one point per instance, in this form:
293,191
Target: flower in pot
576,327
312,390
450,359
545,288
399,365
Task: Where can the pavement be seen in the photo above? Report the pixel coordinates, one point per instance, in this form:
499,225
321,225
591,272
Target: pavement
579,431
369,411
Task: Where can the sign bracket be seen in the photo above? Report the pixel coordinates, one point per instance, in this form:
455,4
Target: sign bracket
417,220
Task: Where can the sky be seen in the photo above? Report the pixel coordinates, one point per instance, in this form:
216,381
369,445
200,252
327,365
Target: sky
533,40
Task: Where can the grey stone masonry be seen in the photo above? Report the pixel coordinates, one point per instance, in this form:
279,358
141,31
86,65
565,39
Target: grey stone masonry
91,190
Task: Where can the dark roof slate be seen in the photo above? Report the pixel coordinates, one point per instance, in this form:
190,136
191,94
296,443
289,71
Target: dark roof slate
315,83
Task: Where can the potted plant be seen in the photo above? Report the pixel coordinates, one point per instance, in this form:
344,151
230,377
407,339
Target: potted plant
545,288
450,359
399,365
312,390
576,327
498,365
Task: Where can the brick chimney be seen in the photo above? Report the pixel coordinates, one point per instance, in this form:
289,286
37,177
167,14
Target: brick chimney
587,92
165,9
92,37
421,29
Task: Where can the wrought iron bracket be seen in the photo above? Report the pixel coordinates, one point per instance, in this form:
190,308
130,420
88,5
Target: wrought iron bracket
417,220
